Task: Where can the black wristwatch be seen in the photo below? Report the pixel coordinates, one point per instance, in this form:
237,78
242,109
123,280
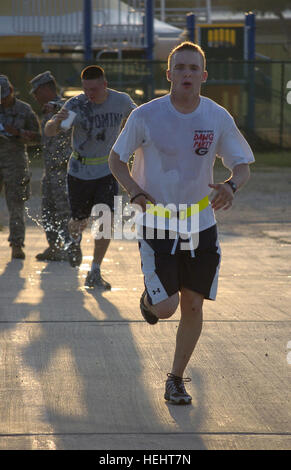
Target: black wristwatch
232,185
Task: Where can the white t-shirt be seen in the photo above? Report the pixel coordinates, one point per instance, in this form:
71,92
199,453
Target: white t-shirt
175,152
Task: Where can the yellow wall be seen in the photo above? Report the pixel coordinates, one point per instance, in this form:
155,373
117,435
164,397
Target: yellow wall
19,46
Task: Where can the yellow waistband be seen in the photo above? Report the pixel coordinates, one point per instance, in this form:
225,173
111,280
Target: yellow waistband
90,161
161,211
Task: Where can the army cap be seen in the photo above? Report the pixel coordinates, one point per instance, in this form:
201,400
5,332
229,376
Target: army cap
5,86
41,79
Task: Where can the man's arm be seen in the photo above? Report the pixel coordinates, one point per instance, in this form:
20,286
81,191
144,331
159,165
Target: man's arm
30,134
52,127
29,137
121,172
224,194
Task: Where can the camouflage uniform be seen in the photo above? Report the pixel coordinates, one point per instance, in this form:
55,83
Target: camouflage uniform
55,152
14,165
55,206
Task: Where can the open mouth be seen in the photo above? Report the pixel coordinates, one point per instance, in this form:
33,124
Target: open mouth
187,84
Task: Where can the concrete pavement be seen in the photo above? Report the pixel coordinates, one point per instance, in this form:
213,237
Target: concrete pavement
80,369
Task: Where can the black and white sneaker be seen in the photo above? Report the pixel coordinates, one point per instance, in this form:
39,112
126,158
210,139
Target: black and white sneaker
175,390
146,313
94,279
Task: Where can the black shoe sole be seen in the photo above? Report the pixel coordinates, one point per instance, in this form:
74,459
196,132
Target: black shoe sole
57,258
97,286
182,401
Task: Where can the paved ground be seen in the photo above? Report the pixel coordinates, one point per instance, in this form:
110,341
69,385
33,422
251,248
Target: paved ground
80,369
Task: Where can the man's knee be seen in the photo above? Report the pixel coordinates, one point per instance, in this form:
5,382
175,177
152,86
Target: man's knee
191,301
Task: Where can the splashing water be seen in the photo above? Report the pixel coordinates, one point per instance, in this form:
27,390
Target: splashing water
36,219
40,222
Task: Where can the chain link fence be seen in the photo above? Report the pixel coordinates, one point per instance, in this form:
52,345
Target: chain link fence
255,93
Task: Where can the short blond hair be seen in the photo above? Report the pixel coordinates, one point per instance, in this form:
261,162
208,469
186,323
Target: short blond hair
92,72
187,46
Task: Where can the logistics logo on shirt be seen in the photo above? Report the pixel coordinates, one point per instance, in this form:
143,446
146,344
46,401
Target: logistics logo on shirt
202,140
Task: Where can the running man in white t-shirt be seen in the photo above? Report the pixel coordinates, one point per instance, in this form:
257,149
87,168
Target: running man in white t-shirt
176,139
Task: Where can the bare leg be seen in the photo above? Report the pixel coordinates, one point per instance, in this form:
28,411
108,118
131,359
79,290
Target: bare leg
100,248
189,330
94,277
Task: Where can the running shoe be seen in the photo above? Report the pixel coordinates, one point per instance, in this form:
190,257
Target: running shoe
52,254
17,252
146,313
175,390
94,279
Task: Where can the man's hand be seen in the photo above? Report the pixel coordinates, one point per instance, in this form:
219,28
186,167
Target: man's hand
142,199
27,135
11,130
61,115
52,127
121,172
223,196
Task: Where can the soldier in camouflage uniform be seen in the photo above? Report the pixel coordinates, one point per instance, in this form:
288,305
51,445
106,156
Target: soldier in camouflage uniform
56,152
19,127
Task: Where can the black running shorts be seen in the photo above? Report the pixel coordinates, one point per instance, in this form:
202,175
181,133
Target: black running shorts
84,194
165,272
